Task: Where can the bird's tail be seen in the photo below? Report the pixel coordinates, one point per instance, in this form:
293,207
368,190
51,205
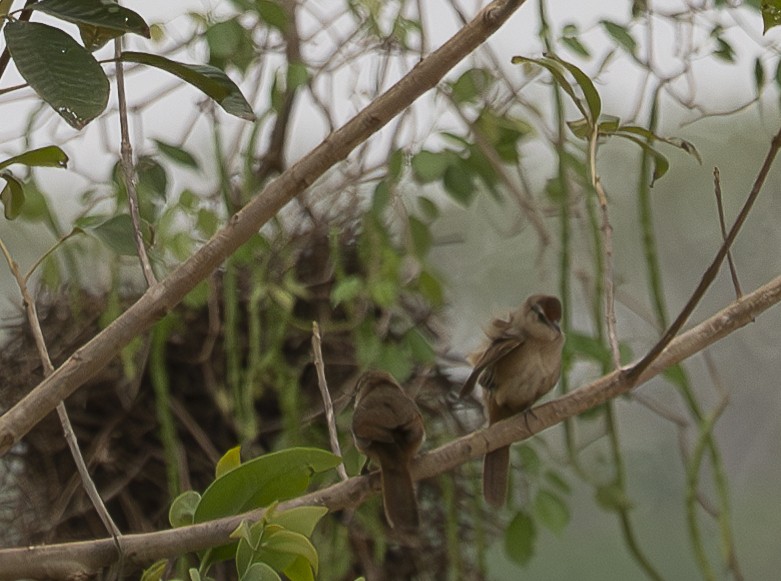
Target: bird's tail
398,496
495,470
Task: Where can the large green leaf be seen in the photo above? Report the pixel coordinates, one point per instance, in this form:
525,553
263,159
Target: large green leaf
211,80
49,156
60,70
261,481
95,13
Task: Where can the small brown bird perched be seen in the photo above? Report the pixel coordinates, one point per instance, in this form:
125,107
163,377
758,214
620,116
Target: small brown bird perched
520,364
388,428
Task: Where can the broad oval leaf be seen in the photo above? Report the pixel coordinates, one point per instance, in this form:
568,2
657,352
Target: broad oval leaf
12,196
96,13
291,543
116,232
49,156
519,538
551,510
183,509
211,80
259,482
60,70
260,572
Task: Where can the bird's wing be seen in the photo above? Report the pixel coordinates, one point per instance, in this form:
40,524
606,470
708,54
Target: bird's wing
498,349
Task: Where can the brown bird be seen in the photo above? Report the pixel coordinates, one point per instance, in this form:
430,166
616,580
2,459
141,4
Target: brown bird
520,364
388,428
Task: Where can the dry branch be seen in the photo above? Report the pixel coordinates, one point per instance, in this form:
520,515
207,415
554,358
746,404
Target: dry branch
87,557
162,297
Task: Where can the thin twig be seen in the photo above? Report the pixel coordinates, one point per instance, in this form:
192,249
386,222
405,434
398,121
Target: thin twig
62,412
720,205
128,170
329,406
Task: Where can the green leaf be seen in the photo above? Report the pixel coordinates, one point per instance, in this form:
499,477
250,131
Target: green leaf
759,75
230,460
519,538
429,166
459,184
470,85
210,80
421,236
771,14
182,511
551,510
155,571
291,543
661,165
94,37
49,156
557,71
580,345
272,14
530,460
259,482
346,290
302,519
686,146
63,73
297,76
116,232
176,154
299,570
621,35
431,288
12,196
569,37
95,13
260,572
724,50
395,165
586,85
